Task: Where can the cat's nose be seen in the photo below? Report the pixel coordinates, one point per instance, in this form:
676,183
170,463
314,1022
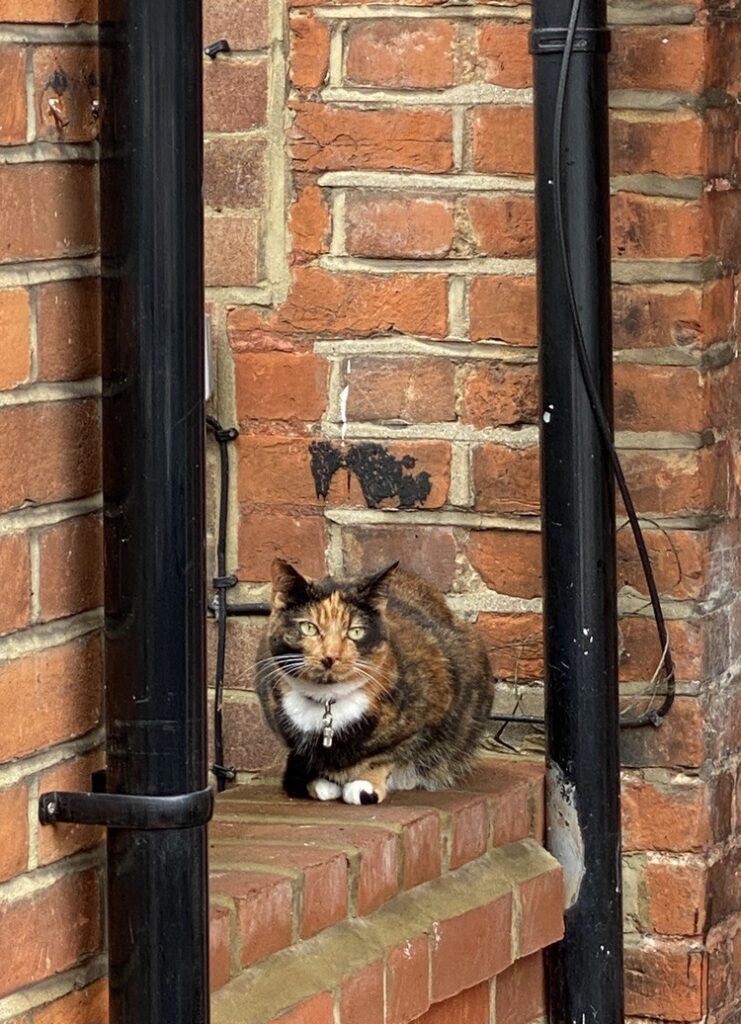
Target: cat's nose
328,662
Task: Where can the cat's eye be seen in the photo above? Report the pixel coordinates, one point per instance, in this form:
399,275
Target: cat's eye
308,628
356,632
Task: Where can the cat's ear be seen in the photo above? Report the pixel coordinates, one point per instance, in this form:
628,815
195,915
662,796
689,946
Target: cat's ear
373,588
289,586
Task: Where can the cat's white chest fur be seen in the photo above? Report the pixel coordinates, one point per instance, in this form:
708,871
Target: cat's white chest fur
308,715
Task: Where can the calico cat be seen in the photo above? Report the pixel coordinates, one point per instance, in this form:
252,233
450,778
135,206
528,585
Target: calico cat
372,683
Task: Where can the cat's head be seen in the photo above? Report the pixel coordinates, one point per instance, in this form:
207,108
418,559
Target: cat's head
330,634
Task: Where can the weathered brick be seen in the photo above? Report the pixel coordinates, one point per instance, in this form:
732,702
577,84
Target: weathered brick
421,844
684,316
68,330
680,560
521,991
12,95
471,948
280,386
243,22
504,309
15,330
643,142
87,1005
681,742
693,646
515,643
665,981
469,1007
15,571
398,226
66,93
325,138
503,226
231,242
646,398
362,997
506,479
648,227
401,54
71,567
675,817
499,394
504,49
503,140
407,981
49,11
541,911
62,841
415,390
48,211
264,904
49,697
50,452
219,951
317,1009
507,560
14,815
50,931
301,540
667,58
249,744
309,61
235,94
234,173
678,482
664,880
309,222
431,550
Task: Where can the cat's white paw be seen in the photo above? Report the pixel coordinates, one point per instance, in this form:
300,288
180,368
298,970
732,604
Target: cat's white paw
323,789
359,792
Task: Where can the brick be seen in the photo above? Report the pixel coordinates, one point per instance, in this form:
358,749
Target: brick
49,697
421,845
497,395
350,305
326,138
521,992
230,242
57,842
362,998
503,140
234,173
503,226
50,931
646,398
219,938
469,826
673,818
66,93
515,643
245,632
471,948
15,571
506,479
309,59
644,142
407,981
469,1007
243,22
401,227
723,967
14,815
508,561
235,95
48,211
681,742
12,95
678,482
668,915
431,550
415,390
71,567
680,560
87,1005
665,981
280,386
401,54
317,1009
666,58
541,911
250,745
504,309
684,316
50,11
723,889
15,330
505,54
68,330
309,222
51,452
648,227
300,540
264,905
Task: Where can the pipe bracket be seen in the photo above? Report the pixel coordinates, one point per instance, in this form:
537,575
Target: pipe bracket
545,41
120,810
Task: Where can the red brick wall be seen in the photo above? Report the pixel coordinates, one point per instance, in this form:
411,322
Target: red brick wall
402,301
50,528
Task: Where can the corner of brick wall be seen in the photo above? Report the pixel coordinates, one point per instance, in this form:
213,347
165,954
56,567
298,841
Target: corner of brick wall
51,893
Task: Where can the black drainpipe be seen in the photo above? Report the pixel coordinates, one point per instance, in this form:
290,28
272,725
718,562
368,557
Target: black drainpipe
570,44
156,801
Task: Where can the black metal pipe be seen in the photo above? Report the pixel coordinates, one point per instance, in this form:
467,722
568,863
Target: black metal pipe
151,177
570,43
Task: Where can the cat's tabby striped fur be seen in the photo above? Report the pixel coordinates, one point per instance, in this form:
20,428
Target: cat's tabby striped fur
410,684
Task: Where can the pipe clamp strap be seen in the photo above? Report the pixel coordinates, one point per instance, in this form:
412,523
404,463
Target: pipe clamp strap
119,810
553,40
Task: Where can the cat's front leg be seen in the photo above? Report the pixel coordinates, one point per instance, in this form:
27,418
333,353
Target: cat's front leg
323,789
296,777
366,785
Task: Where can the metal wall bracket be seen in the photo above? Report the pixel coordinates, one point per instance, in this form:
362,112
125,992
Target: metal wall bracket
119,810
553,40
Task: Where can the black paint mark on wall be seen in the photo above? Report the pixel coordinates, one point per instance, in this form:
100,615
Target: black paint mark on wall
380,474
